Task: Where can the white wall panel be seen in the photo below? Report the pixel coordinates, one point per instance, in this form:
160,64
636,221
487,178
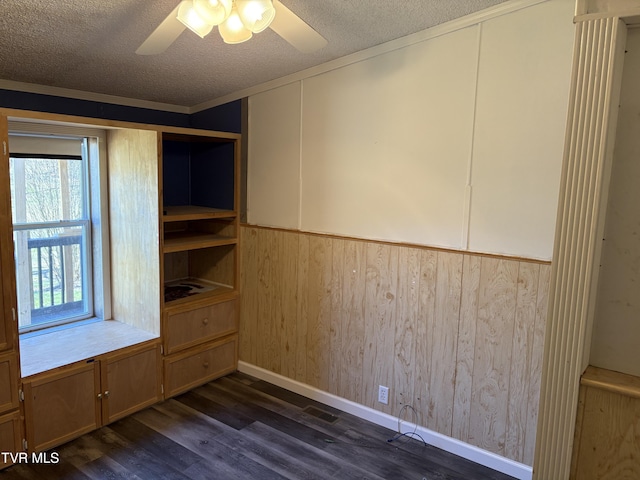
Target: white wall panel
523,89
386,143
273,177
385,148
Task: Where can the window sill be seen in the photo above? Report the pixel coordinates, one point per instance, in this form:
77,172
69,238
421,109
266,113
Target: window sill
49,350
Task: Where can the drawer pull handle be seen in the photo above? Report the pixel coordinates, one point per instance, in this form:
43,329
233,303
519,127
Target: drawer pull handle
106,394
205,364
99,396
205,321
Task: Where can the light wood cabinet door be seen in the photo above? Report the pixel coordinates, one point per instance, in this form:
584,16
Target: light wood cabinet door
10,436
184,371
71,401
63,405
8,383
185,329
130,382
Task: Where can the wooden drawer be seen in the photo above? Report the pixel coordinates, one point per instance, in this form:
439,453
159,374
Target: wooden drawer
189,328
10,436
194,367
8,383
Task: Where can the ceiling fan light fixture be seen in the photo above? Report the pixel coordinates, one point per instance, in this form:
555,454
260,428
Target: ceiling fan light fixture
213,12
188,15
232,30
256,15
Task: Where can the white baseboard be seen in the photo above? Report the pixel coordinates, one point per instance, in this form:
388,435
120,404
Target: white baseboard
464,450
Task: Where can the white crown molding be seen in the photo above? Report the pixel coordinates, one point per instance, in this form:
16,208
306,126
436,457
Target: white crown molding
92,97
439,30
451,445
424,35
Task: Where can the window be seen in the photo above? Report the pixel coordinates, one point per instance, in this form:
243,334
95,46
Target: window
54,185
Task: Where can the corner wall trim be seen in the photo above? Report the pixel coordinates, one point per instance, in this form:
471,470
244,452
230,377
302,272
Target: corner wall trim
448,444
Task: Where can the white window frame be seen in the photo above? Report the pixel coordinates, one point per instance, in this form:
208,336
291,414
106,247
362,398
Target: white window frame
97,185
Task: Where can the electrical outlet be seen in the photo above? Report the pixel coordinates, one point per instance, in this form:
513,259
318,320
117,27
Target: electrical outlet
383,394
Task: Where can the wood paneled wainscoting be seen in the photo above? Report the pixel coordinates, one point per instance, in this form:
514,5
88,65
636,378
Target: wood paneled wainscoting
457,336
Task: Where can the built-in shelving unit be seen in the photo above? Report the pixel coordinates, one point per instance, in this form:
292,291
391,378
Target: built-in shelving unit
180,234
200,251
199,214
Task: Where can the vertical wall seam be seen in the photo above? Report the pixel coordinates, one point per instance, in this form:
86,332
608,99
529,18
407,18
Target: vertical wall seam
459,320
514,320
466,214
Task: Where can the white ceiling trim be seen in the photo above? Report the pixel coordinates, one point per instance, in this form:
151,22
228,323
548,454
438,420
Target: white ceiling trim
92,97
445,28
433,32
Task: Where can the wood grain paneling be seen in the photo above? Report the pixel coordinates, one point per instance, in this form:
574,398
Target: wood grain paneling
443,334
424,340
288,268
407,315
454,335
492,362
466,346
352,315
135,230
522,343
335,328
301,317
318,294
607,443
268,301
535,368
380,320
249,281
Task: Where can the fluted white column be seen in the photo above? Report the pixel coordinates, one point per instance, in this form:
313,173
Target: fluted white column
587,163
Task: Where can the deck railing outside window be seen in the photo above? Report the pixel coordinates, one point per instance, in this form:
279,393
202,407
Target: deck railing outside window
56,289
51,273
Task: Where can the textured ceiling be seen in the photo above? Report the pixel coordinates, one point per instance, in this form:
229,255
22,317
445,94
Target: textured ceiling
89,45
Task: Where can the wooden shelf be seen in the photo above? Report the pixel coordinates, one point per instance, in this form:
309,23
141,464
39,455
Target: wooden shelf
189,240
209,289
194,212
622,383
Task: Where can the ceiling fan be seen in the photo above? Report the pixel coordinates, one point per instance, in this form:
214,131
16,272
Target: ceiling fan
237,21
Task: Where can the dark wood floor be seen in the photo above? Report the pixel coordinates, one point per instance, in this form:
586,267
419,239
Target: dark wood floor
239,427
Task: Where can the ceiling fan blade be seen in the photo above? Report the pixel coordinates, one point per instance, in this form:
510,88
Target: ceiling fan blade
164,35
295,31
